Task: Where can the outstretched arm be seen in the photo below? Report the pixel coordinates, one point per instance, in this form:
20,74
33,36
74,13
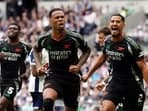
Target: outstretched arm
83,58
144,68
100,60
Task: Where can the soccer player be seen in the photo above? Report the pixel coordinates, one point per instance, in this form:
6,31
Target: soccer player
12,57
36,81
102,35
128,69
63,80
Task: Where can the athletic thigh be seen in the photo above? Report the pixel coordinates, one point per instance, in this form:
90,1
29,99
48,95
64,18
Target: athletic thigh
71,94
9,89
114,97
134,101
52,87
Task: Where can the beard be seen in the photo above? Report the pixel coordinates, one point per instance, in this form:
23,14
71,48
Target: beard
114,36
12,36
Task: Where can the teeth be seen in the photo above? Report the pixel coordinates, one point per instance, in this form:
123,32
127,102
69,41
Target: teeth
114,28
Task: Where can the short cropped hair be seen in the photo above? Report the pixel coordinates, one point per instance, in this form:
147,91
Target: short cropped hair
105,31
14,23
53,10
118,14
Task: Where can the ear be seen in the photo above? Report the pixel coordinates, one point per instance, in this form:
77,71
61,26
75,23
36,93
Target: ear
50,21
124,24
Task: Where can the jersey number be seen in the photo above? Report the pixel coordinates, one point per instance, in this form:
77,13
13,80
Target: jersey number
10,90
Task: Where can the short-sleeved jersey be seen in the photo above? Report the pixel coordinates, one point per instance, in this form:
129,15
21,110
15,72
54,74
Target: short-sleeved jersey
62,53
122,57
12,65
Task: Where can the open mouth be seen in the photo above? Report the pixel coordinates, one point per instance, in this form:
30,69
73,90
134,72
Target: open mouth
61,24
114,29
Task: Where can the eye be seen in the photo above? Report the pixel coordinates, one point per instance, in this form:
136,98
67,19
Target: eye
14,28
59,17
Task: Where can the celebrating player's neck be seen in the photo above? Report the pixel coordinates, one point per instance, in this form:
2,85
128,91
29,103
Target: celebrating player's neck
58,34
117,37
13,41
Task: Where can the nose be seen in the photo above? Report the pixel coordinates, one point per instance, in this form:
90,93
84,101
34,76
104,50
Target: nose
60,18
114,23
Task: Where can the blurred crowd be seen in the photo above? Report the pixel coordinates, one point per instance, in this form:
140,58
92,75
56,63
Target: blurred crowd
83,17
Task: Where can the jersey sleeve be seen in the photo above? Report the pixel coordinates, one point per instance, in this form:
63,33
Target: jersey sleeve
136,50
26,50
1,44
39,44
105,46
82,44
